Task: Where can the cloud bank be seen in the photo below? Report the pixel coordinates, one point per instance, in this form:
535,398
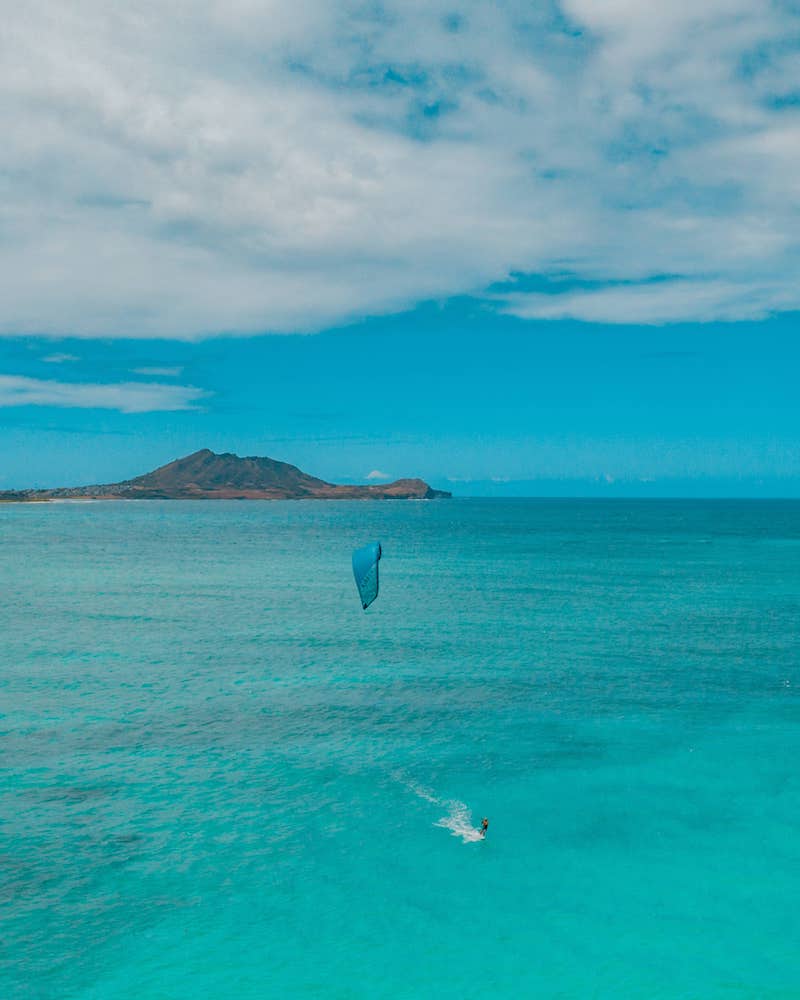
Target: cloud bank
191,169
173,371
127,397
59,358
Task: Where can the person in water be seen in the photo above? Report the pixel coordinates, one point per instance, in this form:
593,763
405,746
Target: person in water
484,826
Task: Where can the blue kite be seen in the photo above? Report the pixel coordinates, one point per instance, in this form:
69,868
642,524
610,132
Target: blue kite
365,570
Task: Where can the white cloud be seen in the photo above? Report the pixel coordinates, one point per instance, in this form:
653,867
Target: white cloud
661,302
171,372
59,359
188,169
127,397
377,474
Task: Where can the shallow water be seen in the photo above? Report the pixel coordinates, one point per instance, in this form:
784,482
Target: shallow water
221,778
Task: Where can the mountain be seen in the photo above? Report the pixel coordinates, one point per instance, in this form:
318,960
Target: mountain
207,476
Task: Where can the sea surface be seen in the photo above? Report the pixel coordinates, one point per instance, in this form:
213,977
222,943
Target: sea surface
220,778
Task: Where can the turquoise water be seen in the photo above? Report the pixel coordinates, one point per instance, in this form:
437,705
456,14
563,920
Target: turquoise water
222,779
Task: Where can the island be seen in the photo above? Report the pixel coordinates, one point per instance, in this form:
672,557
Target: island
205,475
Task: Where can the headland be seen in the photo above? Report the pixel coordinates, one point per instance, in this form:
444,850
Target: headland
205,475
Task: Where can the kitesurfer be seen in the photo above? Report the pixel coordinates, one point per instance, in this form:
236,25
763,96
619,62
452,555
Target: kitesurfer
484,826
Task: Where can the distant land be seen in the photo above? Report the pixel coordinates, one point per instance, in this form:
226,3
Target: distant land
207,476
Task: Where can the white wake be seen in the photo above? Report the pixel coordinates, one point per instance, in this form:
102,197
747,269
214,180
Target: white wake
458,819
459,822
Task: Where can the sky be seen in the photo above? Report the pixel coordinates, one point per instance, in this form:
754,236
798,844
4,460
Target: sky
541,248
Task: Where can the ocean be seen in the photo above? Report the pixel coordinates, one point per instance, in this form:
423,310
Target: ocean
221,778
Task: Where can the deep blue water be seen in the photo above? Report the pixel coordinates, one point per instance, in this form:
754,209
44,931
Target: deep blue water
221,778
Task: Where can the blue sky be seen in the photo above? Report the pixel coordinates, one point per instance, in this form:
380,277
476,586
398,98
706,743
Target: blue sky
513,248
